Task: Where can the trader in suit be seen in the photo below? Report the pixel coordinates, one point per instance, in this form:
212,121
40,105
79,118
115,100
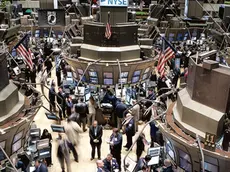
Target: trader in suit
110,164
61,100
115,143
95,134
100,166
40,166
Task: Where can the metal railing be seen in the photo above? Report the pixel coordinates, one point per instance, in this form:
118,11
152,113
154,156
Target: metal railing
7,157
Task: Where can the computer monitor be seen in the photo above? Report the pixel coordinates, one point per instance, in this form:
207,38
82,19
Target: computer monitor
179,37
16,146
93,80
92,74
186,36
87,96
135,79
18,136
124,74
137,73
51,116
171,37
108,75
92,88
108,81
14,52
185,161
44,153
57,128
41,144
37,34
208,167
123,80
35,132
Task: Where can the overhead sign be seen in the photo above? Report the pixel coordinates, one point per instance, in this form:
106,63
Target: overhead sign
114,3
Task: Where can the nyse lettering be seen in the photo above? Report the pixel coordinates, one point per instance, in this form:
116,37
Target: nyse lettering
117,2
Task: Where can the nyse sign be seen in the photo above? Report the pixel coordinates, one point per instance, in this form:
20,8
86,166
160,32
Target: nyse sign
114,3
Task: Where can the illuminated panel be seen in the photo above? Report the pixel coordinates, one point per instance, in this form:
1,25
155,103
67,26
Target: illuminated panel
137,73
92,74
108,81
185,161
18,136
135,79
16,146
108,75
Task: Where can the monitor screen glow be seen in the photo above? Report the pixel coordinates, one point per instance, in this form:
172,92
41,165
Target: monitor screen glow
87,96
137,73
185,161
108,81
210,167
124,74
93,80
135,79
16,146
18,136
57,128
108,75
93,74
123,80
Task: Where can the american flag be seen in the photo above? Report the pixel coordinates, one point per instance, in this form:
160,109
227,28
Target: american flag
108,32
23,49
167,53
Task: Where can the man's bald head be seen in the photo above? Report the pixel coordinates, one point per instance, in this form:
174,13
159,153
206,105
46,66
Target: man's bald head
100,163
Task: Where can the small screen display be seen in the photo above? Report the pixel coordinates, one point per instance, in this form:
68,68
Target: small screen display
137,73
124,74
171,37
37,33
108,75
14,53
210,167
179,37
18,136
93,74
123,80
57,128
135,79
108,81
16,146
93,80
185,161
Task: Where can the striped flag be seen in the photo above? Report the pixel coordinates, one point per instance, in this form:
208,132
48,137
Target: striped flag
108,32
23,49
167,53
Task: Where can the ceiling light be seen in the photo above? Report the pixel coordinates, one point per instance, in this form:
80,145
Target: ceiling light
107,64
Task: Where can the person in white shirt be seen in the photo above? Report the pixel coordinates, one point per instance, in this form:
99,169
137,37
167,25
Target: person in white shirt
135,111
92,111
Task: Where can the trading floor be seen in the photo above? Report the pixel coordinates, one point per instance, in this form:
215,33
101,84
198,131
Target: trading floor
84,150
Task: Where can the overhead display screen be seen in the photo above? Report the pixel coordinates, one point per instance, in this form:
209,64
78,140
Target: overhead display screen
93,80
93,74
121,35
137,73
108,75
185,161
135,79
18,136
114,3
108,81
16,146
124,74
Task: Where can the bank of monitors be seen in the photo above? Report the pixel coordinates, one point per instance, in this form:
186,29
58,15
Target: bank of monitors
16,146
108,78
93,77
123,78
51,17
185,161
136,76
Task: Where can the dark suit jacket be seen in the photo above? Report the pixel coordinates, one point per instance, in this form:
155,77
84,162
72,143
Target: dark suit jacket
117,144
41,168
110,168
97,136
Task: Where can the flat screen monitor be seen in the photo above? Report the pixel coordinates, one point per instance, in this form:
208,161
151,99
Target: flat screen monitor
37,33
137,73
210,167
185,36
58,128
14,53
51,116
108,75
108,81
180,37
80,71
123,80
93,74
35,132
18,136
171,37
45,33
16,146
92,88
44,153
93,80
169,150
194,33
185,161
135,79
87,96
145,76
124,74
41,144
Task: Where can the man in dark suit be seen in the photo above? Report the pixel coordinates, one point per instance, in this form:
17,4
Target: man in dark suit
82,109
110,163
52,96
116,145
100,166
95,134
62,102
40,166
129,130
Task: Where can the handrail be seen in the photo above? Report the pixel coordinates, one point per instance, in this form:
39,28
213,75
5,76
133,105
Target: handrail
8,158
